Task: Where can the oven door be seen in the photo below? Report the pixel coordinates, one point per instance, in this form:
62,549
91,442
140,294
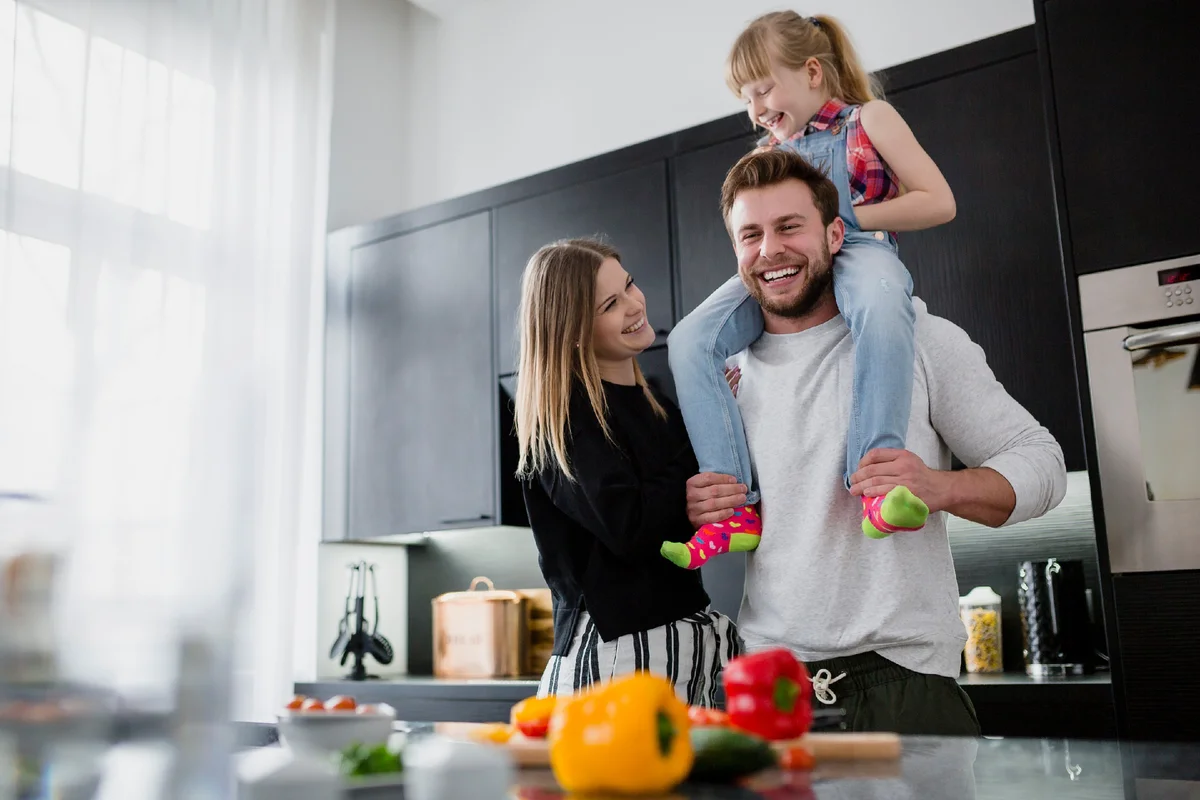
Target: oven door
1145,388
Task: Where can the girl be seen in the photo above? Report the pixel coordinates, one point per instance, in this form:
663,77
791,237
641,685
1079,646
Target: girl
802,82
604,463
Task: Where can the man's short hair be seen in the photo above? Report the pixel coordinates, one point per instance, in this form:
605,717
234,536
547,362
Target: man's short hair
770,167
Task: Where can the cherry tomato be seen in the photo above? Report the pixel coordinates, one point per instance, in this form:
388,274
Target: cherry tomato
797,758
312,704
341,702
296,702
365,709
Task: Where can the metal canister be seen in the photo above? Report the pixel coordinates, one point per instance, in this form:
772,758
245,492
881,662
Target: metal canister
479,634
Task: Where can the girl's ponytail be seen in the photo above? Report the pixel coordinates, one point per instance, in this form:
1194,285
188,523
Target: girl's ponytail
854,84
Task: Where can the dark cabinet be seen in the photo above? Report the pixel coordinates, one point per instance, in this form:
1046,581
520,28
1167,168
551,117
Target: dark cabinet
706,258
995,270
1126,89
629,209
422,394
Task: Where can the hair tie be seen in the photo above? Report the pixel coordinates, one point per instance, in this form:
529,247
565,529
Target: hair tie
816,22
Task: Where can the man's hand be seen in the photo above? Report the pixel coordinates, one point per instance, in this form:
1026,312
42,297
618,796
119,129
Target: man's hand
712,497
882,470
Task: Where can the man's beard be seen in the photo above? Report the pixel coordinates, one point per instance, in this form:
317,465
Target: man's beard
818,277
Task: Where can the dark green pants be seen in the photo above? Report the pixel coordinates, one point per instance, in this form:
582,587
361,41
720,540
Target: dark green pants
878,695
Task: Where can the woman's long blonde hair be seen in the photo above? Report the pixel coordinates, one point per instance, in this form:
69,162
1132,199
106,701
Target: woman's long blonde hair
790,39
558,299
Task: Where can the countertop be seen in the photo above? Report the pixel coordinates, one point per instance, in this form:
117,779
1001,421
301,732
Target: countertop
951,769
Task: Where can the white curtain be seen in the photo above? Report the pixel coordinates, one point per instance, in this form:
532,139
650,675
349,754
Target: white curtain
162,208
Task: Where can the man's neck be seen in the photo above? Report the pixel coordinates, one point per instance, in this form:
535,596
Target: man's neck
825,310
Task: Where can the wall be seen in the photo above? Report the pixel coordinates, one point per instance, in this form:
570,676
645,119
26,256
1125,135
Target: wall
568,79
374,168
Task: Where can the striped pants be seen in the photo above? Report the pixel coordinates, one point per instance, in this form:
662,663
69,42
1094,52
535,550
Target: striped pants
690,653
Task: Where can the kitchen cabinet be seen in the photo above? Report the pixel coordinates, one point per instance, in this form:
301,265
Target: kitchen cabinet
422,395
706,258
1155,619
1126,85
629,209
995,269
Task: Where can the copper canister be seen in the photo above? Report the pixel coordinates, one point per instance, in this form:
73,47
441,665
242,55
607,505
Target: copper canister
479,634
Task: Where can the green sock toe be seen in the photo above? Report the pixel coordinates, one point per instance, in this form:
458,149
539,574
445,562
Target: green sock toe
903,509
676,553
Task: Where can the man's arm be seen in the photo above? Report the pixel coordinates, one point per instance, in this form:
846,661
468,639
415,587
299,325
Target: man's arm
1016,469
981,495
990,432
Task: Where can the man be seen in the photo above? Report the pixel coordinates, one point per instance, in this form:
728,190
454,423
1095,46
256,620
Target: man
876,621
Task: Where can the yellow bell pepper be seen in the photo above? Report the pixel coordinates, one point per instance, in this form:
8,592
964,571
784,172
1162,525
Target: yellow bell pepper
532,715
629,736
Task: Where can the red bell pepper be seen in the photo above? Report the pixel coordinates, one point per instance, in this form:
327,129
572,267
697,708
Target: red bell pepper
769,694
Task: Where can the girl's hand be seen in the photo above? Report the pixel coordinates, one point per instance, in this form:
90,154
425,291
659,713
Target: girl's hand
733,376
927,200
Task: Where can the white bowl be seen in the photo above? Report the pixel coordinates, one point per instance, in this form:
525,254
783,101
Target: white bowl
331,731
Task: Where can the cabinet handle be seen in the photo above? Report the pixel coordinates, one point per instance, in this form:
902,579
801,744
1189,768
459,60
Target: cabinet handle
480,518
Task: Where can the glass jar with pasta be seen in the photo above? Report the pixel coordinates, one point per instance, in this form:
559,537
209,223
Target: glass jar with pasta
980,613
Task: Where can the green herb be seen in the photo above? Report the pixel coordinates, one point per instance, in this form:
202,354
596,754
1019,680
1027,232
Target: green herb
358,760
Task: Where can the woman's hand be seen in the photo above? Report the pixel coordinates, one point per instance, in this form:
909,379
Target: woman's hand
733,376
712,497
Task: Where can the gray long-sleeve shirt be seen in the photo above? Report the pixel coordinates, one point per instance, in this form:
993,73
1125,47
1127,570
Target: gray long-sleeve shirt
816,584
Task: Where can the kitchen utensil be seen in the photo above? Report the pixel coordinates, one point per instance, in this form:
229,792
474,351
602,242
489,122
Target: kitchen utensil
479,634
1054,619
379,647
362,640
344,631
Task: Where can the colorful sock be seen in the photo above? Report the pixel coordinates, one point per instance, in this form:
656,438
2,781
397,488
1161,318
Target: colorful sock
898,510
739,533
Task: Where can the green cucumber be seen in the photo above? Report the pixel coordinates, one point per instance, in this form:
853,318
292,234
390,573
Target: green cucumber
724,754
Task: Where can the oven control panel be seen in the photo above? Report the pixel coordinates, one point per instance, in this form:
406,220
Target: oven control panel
1176,284
1140,295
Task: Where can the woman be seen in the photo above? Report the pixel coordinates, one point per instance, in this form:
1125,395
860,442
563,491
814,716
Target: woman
604,463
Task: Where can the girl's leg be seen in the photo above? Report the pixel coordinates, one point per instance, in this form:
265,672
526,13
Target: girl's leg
874,293
726,323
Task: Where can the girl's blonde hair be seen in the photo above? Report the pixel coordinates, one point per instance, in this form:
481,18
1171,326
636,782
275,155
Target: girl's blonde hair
790,39
558,298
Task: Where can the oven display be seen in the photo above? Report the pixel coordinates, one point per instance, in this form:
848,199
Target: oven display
1166,277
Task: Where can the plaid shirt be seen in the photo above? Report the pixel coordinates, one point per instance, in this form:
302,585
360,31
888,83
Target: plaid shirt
871,179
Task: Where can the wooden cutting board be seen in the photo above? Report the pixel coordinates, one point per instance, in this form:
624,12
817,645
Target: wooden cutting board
824,747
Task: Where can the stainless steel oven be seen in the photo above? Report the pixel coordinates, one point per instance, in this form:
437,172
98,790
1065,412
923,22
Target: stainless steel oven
1142,340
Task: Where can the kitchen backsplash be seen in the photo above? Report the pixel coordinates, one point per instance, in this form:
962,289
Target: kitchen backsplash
448,562
391,572
989,557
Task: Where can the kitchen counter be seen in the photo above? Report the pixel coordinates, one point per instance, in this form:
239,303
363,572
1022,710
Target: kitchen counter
1010,704
954,769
